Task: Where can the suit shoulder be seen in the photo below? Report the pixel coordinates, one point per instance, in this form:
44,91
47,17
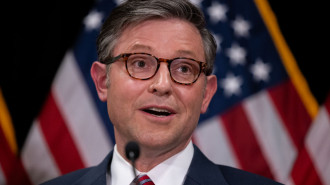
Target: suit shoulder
237,176
67,179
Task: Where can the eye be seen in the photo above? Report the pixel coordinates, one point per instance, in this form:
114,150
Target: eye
184,68
139,63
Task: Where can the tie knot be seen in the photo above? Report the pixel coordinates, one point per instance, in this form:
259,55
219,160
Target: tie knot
142,179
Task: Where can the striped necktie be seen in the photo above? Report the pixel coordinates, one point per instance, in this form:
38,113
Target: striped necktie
142,179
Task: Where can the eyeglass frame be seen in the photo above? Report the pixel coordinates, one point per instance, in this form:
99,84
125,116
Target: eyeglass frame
125,56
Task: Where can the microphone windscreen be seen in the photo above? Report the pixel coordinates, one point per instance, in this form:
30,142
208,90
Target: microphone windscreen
132,150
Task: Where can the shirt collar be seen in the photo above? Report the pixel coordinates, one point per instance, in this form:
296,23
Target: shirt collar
171,171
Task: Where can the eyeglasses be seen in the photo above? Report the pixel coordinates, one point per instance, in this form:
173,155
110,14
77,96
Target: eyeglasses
144,66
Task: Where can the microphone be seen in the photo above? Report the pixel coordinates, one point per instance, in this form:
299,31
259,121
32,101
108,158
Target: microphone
132,151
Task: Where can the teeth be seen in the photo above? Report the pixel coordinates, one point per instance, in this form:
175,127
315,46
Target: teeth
157,111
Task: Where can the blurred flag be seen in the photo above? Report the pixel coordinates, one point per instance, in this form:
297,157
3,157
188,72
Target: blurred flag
258,120
263,109
312,166
11,169
73,130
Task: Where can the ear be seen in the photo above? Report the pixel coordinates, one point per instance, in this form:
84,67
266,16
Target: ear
211,88
99,76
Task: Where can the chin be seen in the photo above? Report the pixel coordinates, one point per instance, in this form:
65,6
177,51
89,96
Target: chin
159,143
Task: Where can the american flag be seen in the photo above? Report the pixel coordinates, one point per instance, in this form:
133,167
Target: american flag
263,118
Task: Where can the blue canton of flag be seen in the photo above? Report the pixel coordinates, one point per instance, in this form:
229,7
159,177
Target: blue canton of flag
247,61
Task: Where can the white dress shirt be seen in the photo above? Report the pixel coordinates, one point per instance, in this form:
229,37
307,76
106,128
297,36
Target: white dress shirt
171,171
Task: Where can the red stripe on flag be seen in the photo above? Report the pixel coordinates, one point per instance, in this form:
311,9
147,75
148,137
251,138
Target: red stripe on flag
327,104
6,155
244,142
303,171
58,138
292,111
19,175
12,167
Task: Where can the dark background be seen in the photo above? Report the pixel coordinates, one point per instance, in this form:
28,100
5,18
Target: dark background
39,33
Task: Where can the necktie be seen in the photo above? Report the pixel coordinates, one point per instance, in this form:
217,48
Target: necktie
142,179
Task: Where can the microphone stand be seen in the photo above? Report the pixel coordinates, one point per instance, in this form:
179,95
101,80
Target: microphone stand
132,151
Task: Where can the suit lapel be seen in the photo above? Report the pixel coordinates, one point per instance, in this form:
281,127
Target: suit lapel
203,171
97,174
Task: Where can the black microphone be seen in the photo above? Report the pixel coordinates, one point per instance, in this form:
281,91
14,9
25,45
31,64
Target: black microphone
132,151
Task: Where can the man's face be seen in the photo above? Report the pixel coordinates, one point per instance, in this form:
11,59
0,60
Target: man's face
136,107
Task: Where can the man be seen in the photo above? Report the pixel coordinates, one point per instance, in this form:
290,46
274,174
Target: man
155,73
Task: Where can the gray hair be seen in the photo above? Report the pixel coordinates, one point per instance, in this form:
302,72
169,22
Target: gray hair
133,12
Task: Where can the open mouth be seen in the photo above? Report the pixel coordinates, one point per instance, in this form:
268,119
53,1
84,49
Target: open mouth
158,112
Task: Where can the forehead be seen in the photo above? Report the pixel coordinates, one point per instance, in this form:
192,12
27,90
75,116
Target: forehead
162,37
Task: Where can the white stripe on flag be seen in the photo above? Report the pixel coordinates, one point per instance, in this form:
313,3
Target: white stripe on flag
79,112
272,135
211,138
317,145
36,157
289,182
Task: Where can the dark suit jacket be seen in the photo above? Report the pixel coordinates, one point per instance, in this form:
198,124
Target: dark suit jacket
201,172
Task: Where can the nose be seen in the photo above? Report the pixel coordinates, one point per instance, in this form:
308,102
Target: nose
161,83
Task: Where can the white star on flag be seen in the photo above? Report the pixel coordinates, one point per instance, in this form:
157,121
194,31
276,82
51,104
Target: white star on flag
231,85
217,12
118,2
197,2
236,54
241,27
260,70
93,20
218,40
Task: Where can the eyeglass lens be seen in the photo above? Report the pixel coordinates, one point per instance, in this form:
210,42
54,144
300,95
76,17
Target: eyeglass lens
143,66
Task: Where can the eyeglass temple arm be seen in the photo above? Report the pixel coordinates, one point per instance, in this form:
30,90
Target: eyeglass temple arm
110,60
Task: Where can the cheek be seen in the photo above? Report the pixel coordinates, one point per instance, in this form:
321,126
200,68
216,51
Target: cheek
121,86
122,94
192,100
189,120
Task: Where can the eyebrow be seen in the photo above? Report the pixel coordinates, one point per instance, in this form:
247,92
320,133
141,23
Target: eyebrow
186,53
141,47
146,48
